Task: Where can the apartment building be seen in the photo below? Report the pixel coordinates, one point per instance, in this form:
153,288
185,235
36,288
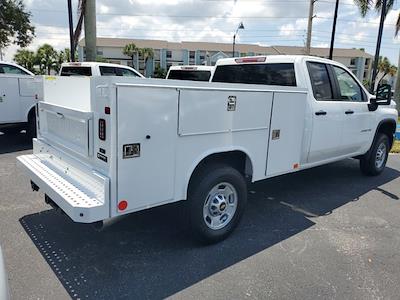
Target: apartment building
168,54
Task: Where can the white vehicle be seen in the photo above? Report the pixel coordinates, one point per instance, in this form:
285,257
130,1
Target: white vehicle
97,69
4,291
194,73
19,92
112,146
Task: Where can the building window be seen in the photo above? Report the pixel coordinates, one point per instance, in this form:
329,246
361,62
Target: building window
202,57
352,62
169,54
367,62
192,54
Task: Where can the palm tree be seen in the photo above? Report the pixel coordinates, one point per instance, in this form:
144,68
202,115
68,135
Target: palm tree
130,50
26,59
367,5
146,53
46,58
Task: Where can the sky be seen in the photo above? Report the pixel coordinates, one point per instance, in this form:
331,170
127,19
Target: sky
266,22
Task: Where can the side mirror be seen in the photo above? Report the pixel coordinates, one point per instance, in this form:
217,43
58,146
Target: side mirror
383,94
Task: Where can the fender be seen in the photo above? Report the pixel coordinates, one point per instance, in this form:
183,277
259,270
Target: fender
208,153
386,120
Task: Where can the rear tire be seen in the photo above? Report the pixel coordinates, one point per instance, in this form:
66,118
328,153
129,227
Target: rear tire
31,128
217,198
374,161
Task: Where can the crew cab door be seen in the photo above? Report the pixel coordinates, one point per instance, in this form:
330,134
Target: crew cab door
357,130
327,114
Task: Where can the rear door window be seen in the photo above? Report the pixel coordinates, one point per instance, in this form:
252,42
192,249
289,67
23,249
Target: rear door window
108,71
126,72
270,74
320,80
189,75
76,71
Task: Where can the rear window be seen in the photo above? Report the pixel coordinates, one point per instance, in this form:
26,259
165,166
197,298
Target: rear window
269,74
189,75
76,71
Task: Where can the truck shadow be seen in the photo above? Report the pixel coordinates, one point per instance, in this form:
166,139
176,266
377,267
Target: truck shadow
149,255
12,142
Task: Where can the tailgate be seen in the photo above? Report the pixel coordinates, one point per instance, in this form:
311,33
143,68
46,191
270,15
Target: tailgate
66,128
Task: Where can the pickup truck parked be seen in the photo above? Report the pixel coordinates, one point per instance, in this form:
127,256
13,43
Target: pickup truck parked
97,69
195,73
113,146
19,92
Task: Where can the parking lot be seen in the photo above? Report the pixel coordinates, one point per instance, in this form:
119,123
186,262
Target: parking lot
327,232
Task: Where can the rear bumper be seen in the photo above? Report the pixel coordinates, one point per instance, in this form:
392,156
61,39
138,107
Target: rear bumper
82,194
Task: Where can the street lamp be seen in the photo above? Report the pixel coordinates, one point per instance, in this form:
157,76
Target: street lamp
241,26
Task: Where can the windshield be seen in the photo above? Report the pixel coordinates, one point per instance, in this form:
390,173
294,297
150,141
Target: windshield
76,71
189,75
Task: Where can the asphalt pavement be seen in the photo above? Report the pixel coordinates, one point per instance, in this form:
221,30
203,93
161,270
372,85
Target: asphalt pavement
327,232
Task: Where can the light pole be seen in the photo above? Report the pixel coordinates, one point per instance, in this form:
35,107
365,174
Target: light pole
241,26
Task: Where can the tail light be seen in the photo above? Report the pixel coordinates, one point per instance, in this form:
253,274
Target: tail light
102,129
250,60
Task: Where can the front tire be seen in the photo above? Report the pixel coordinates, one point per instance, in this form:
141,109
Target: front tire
374,161
216,200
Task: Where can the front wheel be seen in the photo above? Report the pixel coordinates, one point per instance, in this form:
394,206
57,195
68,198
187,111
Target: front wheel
374,162
216,200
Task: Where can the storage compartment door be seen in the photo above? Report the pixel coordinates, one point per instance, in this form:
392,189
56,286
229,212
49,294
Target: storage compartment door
147,133
286,133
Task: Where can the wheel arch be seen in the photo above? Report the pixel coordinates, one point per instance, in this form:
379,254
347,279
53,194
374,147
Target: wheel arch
388,127
237,158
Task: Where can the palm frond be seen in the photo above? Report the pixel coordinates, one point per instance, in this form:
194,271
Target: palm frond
364,6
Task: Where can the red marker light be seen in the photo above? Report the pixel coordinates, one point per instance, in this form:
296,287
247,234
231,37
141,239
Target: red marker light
122,205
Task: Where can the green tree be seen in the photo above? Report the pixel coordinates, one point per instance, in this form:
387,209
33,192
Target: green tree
130,50
146,53
160,72
15,24
365,6
46,58
26,59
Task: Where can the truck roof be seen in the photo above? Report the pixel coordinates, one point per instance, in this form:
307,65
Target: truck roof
192,68
268,59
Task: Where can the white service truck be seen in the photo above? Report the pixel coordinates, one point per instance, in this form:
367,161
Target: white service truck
19,92
112,146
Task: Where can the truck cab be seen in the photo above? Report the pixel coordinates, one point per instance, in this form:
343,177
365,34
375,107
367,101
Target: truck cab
19,93
97,69
339,105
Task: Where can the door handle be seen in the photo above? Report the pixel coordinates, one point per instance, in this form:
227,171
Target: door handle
320,113
349,112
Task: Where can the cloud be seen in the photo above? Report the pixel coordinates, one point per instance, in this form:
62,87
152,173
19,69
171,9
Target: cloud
267,22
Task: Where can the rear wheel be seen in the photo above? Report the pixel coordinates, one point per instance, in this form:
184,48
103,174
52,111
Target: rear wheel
31,129
217,198
374,162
